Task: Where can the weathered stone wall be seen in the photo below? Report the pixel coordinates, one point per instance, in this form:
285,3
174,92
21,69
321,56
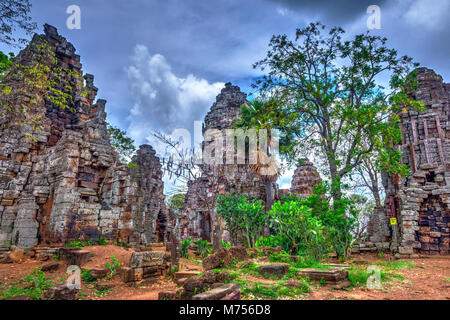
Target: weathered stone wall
69,184
421,201
197,218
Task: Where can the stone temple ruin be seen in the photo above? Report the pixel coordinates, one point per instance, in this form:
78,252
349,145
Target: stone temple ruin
420,202
70,185
304,179
197,217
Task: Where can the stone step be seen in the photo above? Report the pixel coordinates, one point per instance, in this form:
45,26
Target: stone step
338,265
336,277
218,293
156,244
278,269
186,274
4,248
326,274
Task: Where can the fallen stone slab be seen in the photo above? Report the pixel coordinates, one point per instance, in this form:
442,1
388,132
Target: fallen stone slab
4,258
18,298
62,292
147,259
331,276
128,274
99,273
51,266
235,295
239,253
221,258
274,269
199,284
217,293
185,274
181,281
78,257
170,295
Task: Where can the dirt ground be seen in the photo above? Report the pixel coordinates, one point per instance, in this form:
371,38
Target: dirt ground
428,278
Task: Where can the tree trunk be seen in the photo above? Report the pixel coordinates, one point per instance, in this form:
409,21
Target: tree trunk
269,203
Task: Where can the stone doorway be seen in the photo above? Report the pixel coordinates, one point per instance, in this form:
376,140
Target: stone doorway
161,226
205,225
434,223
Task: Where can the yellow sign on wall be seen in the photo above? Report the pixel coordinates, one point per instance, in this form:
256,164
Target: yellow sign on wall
393,221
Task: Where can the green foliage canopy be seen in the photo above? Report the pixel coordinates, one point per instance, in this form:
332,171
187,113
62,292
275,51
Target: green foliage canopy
324,91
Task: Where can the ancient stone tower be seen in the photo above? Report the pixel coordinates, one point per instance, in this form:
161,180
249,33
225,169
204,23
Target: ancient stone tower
197,217
68,184
420,202
304,179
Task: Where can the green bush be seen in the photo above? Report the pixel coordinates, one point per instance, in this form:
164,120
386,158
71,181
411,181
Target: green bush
301,231
184,248
78,244
113,266
203,248
33,286
268,242
225,244
102,241
243,217
87,276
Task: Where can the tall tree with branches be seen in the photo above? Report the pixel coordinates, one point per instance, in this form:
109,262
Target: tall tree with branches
15,16
328,93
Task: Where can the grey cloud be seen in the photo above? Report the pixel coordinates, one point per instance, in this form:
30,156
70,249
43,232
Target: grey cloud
162,100
337,11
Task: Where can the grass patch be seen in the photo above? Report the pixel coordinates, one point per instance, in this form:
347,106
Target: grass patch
273,291
33,286
396,265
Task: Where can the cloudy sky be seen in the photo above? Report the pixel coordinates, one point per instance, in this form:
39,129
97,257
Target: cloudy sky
160,64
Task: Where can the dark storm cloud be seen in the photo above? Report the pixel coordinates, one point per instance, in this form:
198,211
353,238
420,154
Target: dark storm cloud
205,43
337,11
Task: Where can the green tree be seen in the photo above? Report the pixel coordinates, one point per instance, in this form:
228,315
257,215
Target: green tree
176,202
15,16
121,142
326,91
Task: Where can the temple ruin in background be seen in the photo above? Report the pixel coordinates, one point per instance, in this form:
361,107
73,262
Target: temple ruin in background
197,217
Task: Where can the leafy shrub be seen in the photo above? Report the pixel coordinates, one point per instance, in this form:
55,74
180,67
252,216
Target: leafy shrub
122,243
268,242
33,286
102,241
338,219
78,244
225,244
87,276
303,233
184,248
113,266
277,257
203,248
242,216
